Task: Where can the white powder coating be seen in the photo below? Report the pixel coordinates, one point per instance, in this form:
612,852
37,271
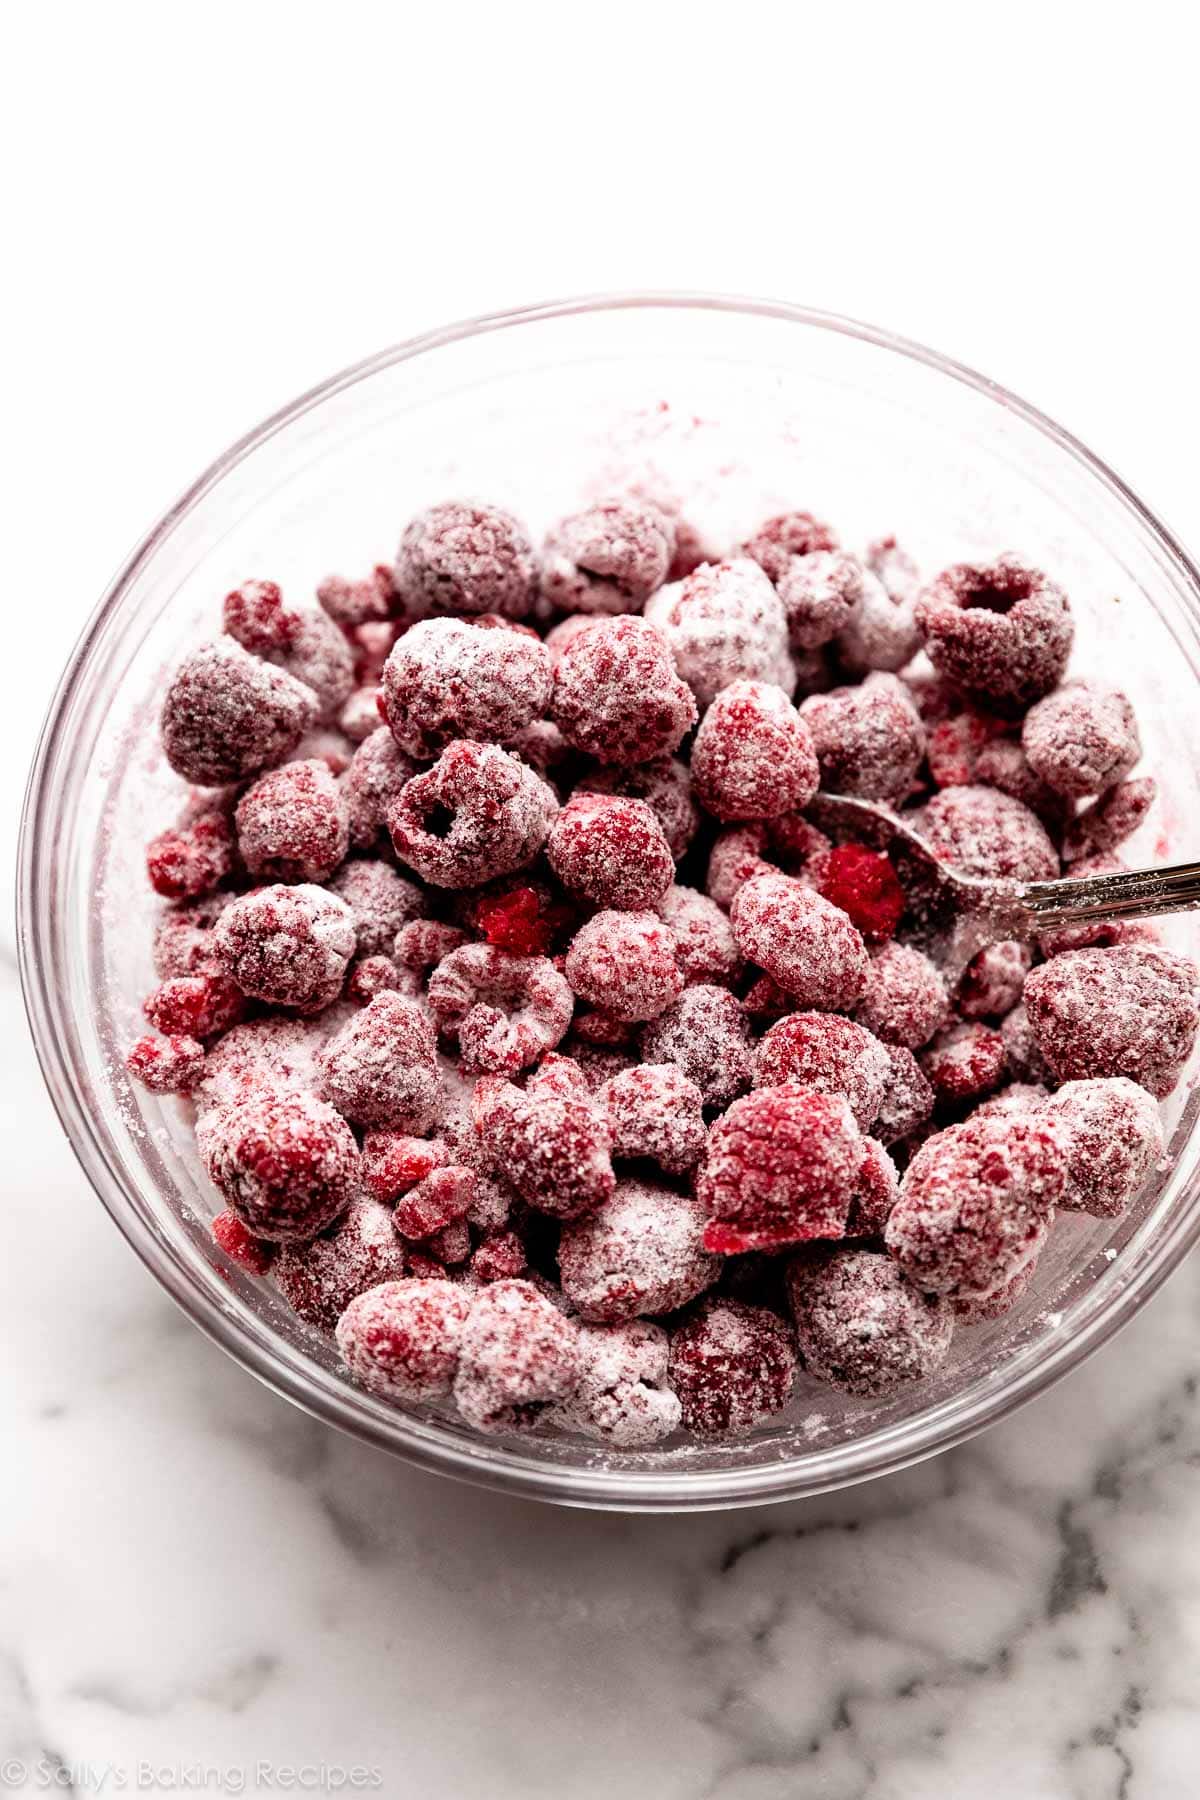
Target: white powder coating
228,714
641,1253
882,634
277,1055
320,656
607,559
289,946
518,1352
704,944
381,901
724,623
1113,1134
623,1397
450,678
821,594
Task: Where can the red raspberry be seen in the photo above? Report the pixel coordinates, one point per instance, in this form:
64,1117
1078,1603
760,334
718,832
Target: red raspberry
724,623
907,1101
864,885
786,535
980,831
732,1367
393,1162
554,1147
1015,1097
1003,764
780,1169
753,757
320,656
992,981
276,1055
457,557
183,939
808,946
622,1397
978,1309
195,1006
617,696
1132,1010
1081,739
956,744
665,784
377,773
904,999
286,1163
965,1062
402,1338
567,630
294,824
1108,821
656,1112
869,739
821,594
381,1068
359,717
607,559
518,1354
442,1198
244,1250
704,945
506,1011
500,1257
876,1191
861,1325
892,565
353,603
287,945
372,644
449,678
737,857
320,1279
192,858
828,1053
1113,1137
602,1030
611,851
478,813
381,901
1002,630
706,1034
624,963
542,745
522,920
1025,1060
883,633
641,1253
597,1063
228,715
255,615
166,1065
423,943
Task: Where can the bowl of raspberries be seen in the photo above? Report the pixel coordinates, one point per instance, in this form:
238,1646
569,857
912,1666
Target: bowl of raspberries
447,976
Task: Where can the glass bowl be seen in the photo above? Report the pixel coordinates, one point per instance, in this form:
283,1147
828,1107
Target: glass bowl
736,409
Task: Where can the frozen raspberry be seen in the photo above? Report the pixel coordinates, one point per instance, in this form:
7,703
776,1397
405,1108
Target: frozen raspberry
869,739
808,946
828,1053
732,1367
1082,739
602,1030
1025,1060
617,696
377,772
705,1033
641,1254
904,998
554,1147
1108,821
955,745
1132,1010
664,784
518,1354
542,745
753,757
724,623
441,1198
293,824
359,717
863,884
423,943
451,1246
704,945
965,1062
353,603
862,1326
1013,1097
611,851
622,1397
506,1011
320,656
195,1006
450,678
287,1164
882,636
380,899
607,559
1002,630
1113,1136
780,1169
183,937
276,1055
567,630
890,563
908,1098
877,1187
402,1338
656,1112
243,1249
979,1309
372,644
320,1279
992,981
463,558
790,534
287,945
256,616
228,715
624,963
1003,764
973,1203
478,813
980,831
166,1065
192,858
821,593
522,920
381,1068
737,857
393,1162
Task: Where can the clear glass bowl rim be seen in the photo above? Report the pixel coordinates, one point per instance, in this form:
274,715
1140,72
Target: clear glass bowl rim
489,1465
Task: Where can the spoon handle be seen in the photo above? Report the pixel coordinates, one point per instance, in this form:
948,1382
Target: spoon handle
1130,894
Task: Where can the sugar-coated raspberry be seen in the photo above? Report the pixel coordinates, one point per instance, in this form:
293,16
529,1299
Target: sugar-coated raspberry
192,858
623,1396
506,1011
624,963
359,717
567,630
607,559
1002,630
166,1065
1025,1060
402,1338
737,856
904,997
641,1254
704,945
980,1309
451,1246
1130,1010
617,696
664,784
732,1366
1003,764
954,746
883,632
861,1325
780,1168
655,1111
829,1053
287,945
287,1164
808,946
378,770
753,757
320,656
991,983
458,557
393,1162
864,885
256,616
1113,1135
451,678
965,1062
908,1099
277,1055
227,715
821,593
351,604
1013,1097
869,739
293,824
195,1006
381,1068
891,563
500,1257
477,814
611,851
439,1199
706,1033
786,535
724,623
765,1001
980,831
380,899
243,1249
877,1187
423,943
1081,739
973,1203
1108,821
553,1146
319,1279
518,1355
